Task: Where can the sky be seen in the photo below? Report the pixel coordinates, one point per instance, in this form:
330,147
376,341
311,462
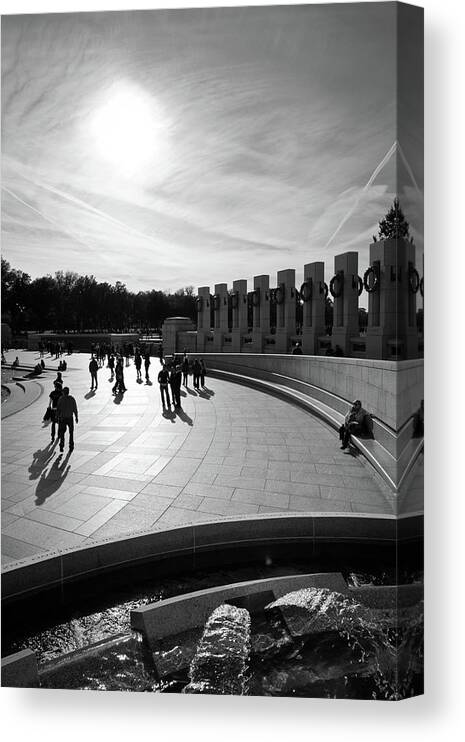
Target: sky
193,147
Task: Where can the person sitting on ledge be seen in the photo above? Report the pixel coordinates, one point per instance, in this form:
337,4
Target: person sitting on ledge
297,350
15,363
357,421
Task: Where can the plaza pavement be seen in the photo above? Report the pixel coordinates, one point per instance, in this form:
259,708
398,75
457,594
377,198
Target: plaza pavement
231,451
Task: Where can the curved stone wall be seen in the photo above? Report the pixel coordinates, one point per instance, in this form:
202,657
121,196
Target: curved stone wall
38,573
389,390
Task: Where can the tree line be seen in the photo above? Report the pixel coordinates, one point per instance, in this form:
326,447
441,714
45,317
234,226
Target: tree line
68,302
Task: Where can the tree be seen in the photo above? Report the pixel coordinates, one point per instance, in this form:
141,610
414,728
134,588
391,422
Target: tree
394,224
15,285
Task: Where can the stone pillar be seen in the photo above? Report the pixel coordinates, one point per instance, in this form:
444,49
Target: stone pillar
203,317
220,303
345,319
313,324
392,331
239,314
172,326
261,313
285,311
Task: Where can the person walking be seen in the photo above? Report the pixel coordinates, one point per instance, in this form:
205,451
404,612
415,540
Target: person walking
54,396
119,387
93,368
111,365
163,380
147,365
185,371
203,372
196,373
66,409
138,364
175,384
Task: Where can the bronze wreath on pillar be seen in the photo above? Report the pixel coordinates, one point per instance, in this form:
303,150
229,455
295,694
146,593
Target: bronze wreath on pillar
199,303
279,294
413,280
371,271
256,297
358,284
324,289
306,290
422,286
235,299
339,280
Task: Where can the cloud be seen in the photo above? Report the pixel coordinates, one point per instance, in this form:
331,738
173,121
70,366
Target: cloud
267,149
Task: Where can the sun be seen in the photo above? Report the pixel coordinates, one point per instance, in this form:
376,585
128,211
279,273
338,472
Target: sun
129,129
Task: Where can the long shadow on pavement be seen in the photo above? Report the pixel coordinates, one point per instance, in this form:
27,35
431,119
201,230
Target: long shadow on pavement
169,414
184,416
52,480
206,393
40,460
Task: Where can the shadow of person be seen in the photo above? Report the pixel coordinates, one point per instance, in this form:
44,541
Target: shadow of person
51,481
191,391
209,391
183,394
206,394
40,460
169,414
184,416
90,394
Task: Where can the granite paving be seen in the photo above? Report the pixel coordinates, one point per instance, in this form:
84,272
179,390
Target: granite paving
231,450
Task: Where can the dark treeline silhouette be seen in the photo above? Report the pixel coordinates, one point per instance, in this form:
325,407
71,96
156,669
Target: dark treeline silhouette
70,302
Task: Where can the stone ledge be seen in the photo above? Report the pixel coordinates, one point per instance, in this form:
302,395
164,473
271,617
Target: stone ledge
189,611
19,670
35,574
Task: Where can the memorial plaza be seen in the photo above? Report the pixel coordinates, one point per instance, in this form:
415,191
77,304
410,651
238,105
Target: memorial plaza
230,451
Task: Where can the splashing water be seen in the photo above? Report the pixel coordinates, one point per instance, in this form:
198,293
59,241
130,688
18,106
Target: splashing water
219,664
389,640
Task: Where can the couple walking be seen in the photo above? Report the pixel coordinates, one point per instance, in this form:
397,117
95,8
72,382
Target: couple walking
171,379
199,371
63,411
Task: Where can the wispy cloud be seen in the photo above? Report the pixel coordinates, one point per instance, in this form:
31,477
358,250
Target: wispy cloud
264,151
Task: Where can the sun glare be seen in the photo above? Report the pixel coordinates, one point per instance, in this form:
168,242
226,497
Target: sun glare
129,129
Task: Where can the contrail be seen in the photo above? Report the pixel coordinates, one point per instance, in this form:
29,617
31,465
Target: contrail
395,147
408,168
372,177
84,205
47,218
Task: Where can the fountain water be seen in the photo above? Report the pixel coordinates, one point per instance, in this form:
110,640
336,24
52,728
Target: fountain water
219,665
387,643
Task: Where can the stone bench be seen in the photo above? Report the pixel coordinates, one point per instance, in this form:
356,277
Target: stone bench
383,452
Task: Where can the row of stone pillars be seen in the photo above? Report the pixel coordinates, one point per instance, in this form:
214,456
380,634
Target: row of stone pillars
241,318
